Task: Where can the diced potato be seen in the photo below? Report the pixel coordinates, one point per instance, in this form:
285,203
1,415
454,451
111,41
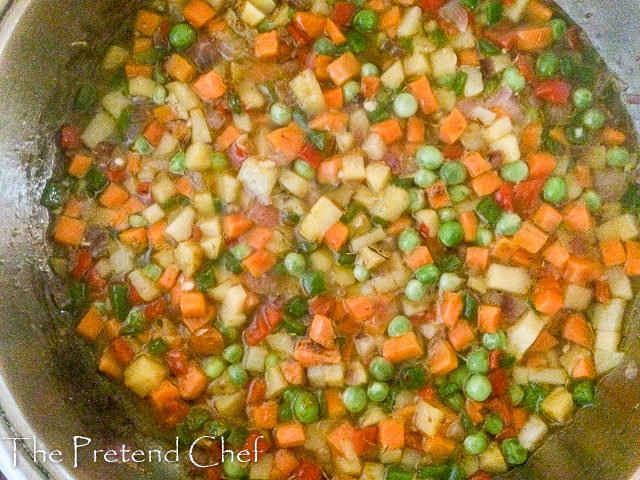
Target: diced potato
231,405
478,284
444,62
373,471
624,227
199,127
308,93
497,130
571,357
321,260
189,256
374,236
577,297
167,147
370,258
416,64
121,261
210,226
410,23
323,215
184,94
147,289
446,98
374,146
115,102
391,456
211,246
232,308
378,175
181,226
552,376
281,342
509,279
198,155
203,203
141,87
352,169
144,374
464,40
265,6
348,466
558,405
326,375
532,432
393,76
356,374
278,243
524,332
254,358
430,219
392,205
606,361
115,57
249,95
227,187
343,276
475,84
344,141
423,44
163,257
162,188
428,418
508,146
606,341
101,128
608,317
514,11
243,122
294,183
261,470
259,178
251,15
486,116
619,283
492,460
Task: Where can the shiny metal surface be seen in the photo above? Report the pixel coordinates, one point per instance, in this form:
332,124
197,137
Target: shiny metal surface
48,385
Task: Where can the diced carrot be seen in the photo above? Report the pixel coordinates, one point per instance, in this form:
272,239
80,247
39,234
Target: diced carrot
135,70
452,127
477,259
342,437
390,130
582,173
557,133
333,98
461,335
450,307
292,372
193,383
165,113
73,207
153,132
547,218
235,225
343,68
141,44
198,13
399,226
289,435
109,365
439,448
404,347
469,56
266,45
260,262
541,164
390,20
334,32
577,217
320,67
475,164
113,196
79,165
193,304
147,22
612,252
632,265
284,463
265,415
309,353
556,255
438,195
503,249
311,24
135,238
543,343
486,183
179,68
370,85
532,39
538,12
442,357
335,406
577,330
155,235
69,231
287,141
122,350
359,308
229,135
391,433
548,301
336,236
321,331
580,270
415,130
489,318
210,86
531,138
91,325
184,186
258,237
530,237
331,121
161,395
328,171
421,89
169,277
584,369
613,137
418,257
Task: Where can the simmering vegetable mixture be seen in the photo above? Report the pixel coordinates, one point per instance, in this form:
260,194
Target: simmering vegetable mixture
394,239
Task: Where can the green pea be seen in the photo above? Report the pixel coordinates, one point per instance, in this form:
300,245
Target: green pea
306,408
515,172
592,200
516,394
459,193
493,341
508,223
429,157
409,240
350,90
159,95
423,178
450,282
237,375
484,237
182,35
446,214
415,290
157,347
478,387
355,399
582,98
219,161
213,367
618,157
378,391
567,67
547,64
303,169
142,146
324,46
450,234
493,424
554,190
558,27
476,443
241,251
369,70
594,119
176,164
513,79
294,263
233,468
272,360
416,200
280,113
381,369
405,105
514,453
577,135
398,326
453,172
583,393
361,273
478,361
428,274
233,353
365,21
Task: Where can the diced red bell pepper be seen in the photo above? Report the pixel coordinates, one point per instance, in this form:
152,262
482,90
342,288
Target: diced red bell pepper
257,392
499,381
122,350
428,393
431,5
155,309
265,320
502,38
307,471
454,151
177,361
321,305
554,91
257,444
526,195
298,35
311,155
504,196
365,439
134,296
343,13
97,285
83,264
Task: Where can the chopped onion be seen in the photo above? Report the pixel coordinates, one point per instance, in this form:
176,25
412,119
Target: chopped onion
456,14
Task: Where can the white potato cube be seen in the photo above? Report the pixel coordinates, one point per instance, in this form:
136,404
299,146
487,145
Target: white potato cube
352,169
199,127
524,332
294,183
428,418
374,146
322,216
198,155
577,297
115,102
475,84
101,128
227,187
393,203
532,432
308,93
608,317
232,308
146,288
378,175
144,374
181,227
444,62
509,279
259,178
153,213
251,15
508,146
558,405
410,23
393,76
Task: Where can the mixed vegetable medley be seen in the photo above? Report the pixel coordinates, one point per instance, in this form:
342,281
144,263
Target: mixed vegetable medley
394,239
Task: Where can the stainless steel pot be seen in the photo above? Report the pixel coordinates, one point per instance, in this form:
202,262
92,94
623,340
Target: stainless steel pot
48,385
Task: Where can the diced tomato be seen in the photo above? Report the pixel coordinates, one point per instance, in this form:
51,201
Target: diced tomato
499,381
298,35
602,291
502,38
177,361
258,443
257,392
494,359
83,264
173,411
428,393
97,285
343,13
265,320
365,439
237,154
70,137
143,187
502,407
431,5
424,231
413,440
134,296
307,471
453,151
321,305
155,309
311,155
526,195
116,174
122,350
504,196
554,91
508,432
508,2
